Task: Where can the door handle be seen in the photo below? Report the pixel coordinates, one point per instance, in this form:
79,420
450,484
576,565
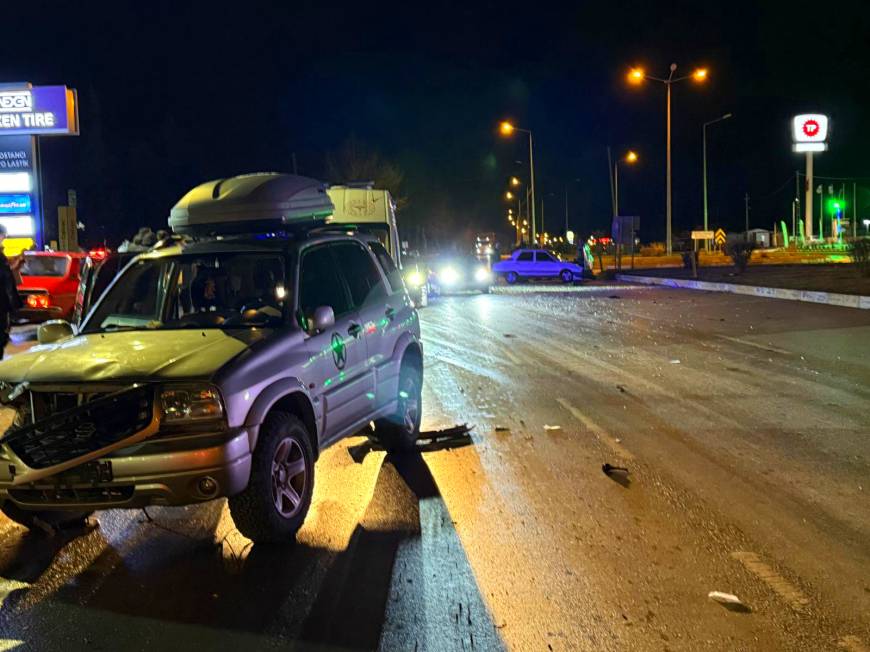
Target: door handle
354,330
390,313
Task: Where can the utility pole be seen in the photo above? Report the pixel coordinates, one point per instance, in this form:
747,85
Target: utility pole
854,209
746,202
566,210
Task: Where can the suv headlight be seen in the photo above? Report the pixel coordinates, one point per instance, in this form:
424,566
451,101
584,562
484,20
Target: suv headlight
482,274
414,279
188,403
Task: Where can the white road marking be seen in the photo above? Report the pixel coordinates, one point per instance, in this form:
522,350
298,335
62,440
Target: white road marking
7,586
603,436
781,586
9,644
763,347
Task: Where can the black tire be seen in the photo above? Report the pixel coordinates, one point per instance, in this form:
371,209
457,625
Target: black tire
52,518
399,432
567,276
511,277
255,510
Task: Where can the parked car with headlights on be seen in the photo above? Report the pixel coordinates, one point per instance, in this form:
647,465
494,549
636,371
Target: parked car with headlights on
536,263
460,274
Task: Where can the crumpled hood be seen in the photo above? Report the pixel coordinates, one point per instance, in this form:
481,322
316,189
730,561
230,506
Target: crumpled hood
155,355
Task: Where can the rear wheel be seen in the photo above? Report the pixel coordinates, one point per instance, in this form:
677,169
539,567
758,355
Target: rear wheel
567,276
37,520
400,431
511,277
273,506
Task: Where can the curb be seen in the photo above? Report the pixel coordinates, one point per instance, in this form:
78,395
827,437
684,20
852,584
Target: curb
827,298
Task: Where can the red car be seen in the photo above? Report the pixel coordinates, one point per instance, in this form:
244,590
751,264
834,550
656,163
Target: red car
49,282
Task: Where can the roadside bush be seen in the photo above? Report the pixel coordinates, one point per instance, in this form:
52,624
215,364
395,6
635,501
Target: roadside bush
860,251
740,252
653,249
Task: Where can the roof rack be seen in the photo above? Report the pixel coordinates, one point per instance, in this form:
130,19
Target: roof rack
252,203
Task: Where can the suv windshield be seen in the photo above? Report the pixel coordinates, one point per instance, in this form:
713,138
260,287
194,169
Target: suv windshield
44,265
224,290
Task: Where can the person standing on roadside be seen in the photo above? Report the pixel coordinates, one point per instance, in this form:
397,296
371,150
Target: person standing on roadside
10,301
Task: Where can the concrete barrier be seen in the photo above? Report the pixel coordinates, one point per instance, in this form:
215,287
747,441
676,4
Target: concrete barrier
827,298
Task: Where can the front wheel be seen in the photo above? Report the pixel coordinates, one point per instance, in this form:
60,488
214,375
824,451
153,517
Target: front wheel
567,276
50,518
400,431
511,277
273,506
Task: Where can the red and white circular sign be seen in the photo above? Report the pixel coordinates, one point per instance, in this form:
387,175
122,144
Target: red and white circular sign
811,128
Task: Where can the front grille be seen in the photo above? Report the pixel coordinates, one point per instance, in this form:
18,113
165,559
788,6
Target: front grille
66,495
80,430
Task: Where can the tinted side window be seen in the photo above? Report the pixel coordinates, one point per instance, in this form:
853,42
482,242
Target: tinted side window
360,272
544,257
394,276
320,283
526,256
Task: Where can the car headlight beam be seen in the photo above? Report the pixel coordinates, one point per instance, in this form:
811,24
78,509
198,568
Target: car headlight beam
482,274
449,276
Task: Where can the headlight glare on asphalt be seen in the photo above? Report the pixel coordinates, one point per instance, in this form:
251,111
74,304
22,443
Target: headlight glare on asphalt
482,274
414,279
190,403
449,276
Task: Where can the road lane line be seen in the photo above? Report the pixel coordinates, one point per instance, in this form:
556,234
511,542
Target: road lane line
602,435
781,586
763,347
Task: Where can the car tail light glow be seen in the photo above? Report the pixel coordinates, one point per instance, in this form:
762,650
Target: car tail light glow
98,254
37,301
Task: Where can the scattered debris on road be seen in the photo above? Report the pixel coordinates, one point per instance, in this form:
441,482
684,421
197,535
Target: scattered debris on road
609,468
509,335
729,601
548,427
675,361
621,388
502,429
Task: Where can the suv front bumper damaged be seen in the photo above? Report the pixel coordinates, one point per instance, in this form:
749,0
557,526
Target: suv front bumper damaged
104,453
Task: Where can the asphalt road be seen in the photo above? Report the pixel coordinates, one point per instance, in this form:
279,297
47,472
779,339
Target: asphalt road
744,424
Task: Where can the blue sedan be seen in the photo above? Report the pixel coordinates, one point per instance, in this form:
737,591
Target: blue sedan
536,263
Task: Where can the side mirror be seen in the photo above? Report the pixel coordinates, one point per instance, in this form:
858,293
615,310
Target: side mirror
323,319
54,331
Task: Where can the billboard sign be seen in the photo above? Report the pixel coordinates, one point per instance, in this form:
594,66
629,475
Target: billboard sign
15,203
38,111
809,132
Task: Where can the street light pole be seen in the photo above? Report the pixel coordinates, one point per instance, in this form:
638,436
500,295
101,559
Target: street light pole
704,139
669,207
532,182
637,76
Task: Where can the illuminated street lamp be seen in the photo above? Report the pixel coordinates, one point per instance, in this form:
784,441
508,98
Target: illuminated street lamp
507,129
515,182
631,158
636,76
509,195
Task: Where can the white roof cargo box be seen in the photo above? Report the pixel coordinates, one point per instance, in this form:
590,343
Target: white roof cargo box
250,203
361,205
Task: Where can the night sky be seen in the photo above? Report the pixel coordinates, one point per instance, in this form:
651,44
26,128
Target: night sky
173,95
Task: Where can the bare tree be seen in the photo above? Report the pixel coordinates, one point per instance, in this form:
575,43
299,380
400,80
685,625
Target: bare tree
355,161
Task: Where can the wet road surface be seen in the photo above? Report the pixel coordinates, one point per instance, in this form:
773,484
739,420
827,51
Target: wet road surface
745,428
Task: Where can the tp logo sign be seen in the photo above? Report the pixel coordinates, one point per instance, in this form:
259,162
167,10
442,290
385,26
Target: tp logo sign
809,132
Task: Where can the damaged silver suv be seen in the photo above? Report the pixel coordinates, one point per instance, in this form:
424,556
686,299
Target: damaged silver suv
216,367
